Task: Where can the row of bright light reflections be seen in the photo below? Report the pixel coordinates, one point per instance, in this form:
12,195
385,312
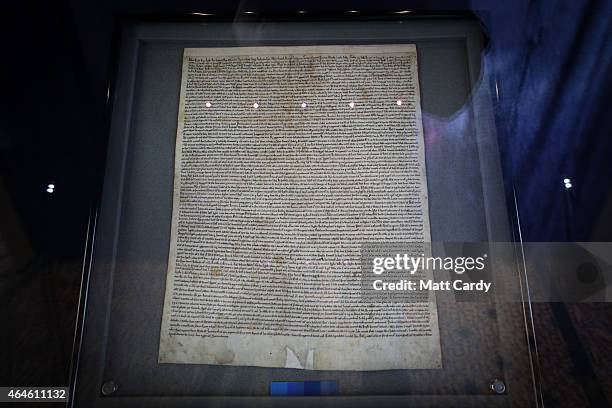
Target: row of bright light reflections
567,182
304,105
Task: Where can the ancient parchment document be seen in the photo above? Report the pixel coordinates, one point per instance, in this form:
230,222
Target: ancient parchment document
287,160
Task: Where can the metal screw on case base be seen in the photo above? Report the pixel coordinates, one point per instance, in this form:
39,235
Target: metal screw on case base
498,386
109,388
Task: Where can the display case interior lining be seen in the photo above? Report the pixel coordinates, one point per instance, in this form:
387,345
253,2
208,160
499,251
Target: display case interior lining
480,342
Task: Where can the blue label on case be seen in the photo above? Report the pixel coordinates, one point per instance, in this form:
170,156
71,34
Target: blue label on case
301,388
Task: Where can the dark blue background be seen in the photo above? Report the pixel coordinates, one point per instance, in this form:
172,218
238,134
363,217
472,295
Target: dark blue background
552,61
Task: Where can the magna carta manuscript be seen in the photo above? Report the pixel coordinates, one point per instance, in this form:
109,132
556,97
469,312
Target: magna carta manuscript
287,160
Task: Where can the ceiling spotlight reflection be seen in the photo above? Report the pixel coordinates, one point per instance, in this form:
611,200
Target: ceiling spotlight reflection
351,104
566,180
202,14
248,12
51,186
255,105
568,185
403,12
208,104
304,105
50,190
399,102
353,11
301,11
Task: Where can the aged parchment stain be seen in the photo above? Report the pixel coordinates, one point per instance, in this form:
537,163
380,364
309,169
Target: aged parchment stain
225,356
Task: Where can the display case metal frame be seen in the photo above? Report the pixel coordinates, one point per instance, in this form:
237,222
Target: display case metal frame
91,383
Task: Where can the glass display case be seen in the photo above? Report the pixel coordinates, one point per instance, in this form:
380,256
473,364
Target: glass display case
487,349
